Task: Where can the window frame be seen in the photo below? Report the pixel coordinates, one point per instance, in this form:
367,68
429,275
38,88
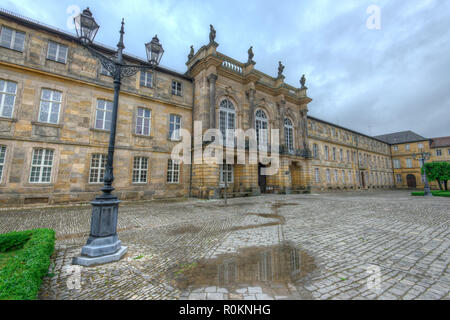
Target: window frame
51,104
289,130
175,91
226,171
13,39
174,123
104,113
137,171
144,118
171,170
58,48
3,94
3,154
144,82
41,166
102,160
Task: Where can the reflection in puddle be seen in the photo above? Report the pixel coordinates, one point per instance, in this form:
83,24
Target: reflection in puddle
260,266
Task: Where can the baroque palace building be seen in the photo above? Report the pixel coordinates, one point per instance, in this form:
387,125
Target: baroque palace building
55,117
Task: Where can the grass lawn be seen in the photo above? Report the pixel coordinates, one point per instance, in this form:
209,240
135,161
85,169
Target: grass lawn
435,193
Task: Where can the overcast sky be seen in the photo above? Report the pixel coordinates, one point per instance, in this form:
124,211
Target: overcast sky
373,81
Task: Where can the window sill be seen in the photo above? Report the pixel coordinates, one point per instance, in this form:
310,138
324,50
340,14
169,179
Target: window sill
142,136
8,119
64,63
174,140
12,49
99,130
46,124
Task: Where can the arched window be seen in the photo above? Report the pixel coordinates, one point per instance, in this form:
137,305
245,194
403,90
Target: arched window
261,125
288,134
227,121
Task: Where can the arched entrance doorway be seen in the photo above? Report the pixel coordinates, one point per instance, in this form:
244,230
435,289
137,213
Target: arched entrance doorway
411,180
262,182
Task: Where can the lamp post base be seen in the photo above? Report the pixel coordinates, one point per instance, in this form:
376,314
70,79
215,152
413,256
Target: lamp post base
92,261
103,244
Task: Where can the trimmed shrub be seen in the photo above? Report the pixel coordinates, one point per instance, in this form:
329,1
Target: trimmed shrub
13,240
434,193
21,277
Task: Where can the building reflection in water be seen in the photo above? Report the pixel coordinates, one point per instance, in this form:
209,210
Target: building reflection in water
277,264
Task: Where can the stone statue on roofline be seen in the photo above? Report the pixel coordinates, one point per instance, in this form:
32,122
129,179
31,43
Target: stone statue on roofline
280,69
191,54
250,55
302,82
212,34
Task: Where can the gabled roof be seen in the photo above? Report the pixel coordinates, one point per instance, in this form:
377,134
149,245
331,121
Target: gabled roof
401,137
440,142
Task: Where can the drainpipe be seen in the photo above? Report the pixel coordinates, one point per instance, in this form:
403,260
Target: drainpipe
192,138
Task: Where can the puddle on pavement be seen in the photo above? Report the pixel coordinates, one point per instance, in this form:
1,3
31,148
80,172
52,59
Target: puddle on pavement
252,266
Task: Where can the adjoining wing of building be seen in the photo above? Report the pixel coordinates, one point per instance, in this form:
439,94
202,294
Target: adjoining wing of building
55,116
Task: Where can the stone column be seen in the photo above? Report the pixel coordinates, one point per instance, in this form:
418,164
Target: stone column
303,125
282,114
251,98
212,78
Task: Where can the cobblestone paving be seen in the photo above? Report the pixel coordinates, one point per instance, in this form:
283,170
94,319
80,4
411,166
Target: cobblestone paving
349,236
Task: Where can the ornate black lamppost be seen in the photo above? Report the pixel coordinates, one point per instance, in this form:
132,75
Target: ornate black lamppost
422,157
103,244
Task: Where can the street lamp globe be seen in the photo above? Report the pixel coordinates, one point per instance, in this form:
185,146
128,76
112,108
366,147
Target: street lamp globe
155,51
85,26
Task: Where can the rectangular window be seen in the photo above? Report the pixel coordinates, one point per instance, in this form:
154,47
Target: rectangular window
343,177
315,151
420,146
226,172
146,79
2,160
326,152
334,154
174,127
176,88
407,147
336,176
341,155
348,156
350,178
409,163
140,168
7,98
50,106
173,171
41,166
97,171
448,152
12,39
397,164
317,175
103,114
439,153
328,176
143,121
395,148
399,178
57,52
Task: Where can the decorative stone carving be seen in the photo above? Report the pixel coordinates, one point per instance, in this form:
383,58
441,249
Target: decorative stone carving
250,55
191,53
280,69
302,82
212,78
212,34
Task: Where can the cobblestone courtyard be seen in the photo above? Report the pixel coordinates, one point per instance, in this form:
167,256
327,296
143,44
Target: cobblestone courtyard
197,249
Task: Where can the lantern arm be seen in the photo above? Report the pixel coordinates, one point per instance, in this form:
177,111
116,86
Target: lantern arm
128,70
113,67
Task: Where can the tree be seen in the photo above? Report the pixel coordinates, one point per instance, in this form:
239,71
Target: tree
439,171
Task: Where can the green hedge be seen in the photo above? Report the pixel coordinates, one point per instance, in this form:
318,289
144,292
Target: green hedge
21,277
13,240
436,193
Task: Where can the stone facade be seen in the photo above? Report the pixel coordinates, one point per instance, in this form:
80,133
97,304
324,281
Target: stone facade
74,139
